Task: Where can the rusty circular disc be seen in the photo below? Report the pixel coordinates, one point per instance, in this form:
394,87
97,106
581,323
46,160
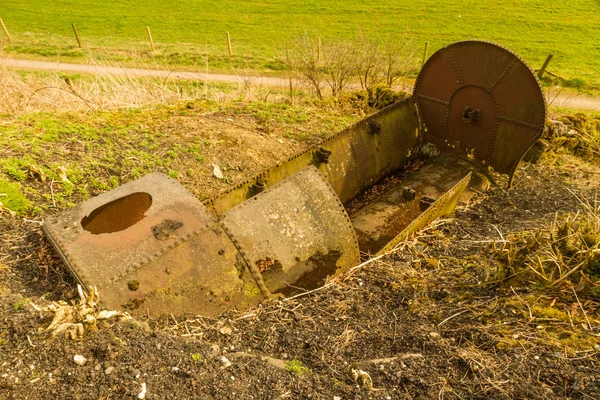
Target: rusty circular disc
481,100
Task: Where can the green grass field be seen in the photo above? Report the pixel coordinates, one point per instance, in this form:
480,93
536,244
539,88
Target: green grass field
183,30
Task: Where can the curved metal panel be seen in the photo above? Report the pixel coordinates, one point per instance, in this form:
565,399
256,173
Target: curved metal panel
295,234
479,99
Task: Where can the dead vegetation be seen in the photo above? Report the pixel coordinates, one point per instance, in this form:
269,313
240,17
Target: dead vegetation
565,251
334,64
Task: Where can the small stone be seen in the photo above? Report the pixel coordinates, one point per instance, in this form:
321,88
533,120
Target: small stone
109,370
98,367
434,335
225,363
225,331
136,373
214,350
158,346
536,357
217,172
79,359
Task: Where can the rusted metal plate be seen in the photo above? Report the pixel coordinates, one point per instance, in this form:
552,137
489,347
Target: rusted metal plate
444,205
151,231
382,143
295,234
383,219
479,99
359,157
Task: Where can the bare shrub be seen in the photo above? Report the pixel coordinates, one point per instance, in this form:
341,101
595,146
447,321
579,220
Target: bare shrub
399,59
305,57
339,64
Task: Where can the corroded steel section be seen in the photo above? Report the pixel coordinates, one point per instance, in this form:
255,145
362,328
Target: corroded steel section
359,157
444,205
479,99
382,219
295,234
174,242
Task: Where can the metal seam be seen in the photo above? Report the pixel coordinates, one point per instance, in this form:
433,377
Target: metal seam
491,88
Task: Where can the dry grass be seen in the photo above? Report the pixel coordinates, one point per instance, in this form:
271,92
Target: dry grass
565,251
22,93
50,92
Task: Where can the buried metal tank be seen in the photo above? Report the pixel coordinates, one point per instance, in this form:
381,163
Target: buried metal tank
151,247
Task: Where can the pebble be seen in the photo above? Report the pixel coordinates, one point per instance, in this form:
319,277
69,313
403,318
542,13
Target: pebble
214,350
158,346
109,370
79,359
225,362
136,373
225,330
434,335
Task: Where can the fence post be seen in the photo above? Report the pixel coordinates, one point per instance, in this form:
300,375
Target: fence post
425,53
5,30
150,38
543,69
319,49
76,35
229,44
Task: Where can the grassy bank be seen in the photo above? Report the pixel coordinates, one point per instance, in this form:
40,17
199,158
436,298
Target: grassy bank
186,30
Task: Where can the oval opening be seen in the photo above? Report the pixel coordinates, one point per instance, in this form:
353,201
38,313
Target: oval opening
118,215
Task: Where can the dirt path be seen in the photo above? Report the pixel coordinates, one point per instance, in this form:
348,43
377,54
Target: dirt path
573,101
134,72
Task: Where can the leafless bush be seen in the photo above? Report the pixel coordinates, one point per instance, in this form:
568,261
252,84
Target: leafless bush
399,58
337,64
305,57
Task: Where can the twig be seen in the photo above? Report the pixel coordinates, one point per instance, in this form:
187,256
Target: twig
52,193
524,302
582,309
452,316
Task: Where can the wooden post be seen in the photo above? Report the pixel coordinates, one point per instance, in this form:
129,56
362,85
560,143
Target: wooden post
5,30
150,38
543,69
425,53
76,35
319,49
287,54
229,44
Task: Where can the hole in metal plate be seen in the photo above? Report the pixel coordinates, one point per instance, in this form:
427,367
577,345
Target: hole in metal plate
117,215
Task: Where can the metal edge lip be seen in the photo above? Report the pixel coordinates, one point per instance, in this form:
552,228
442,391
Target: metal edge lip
78,277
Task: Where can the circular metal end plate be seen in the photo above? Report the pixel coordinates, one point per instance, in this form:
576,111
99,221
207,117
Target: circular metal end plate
479,99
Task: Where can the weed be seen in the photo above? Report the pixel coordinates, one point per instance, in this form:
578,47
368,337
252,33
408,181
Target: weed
197,358
17,305
296,367
12,198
